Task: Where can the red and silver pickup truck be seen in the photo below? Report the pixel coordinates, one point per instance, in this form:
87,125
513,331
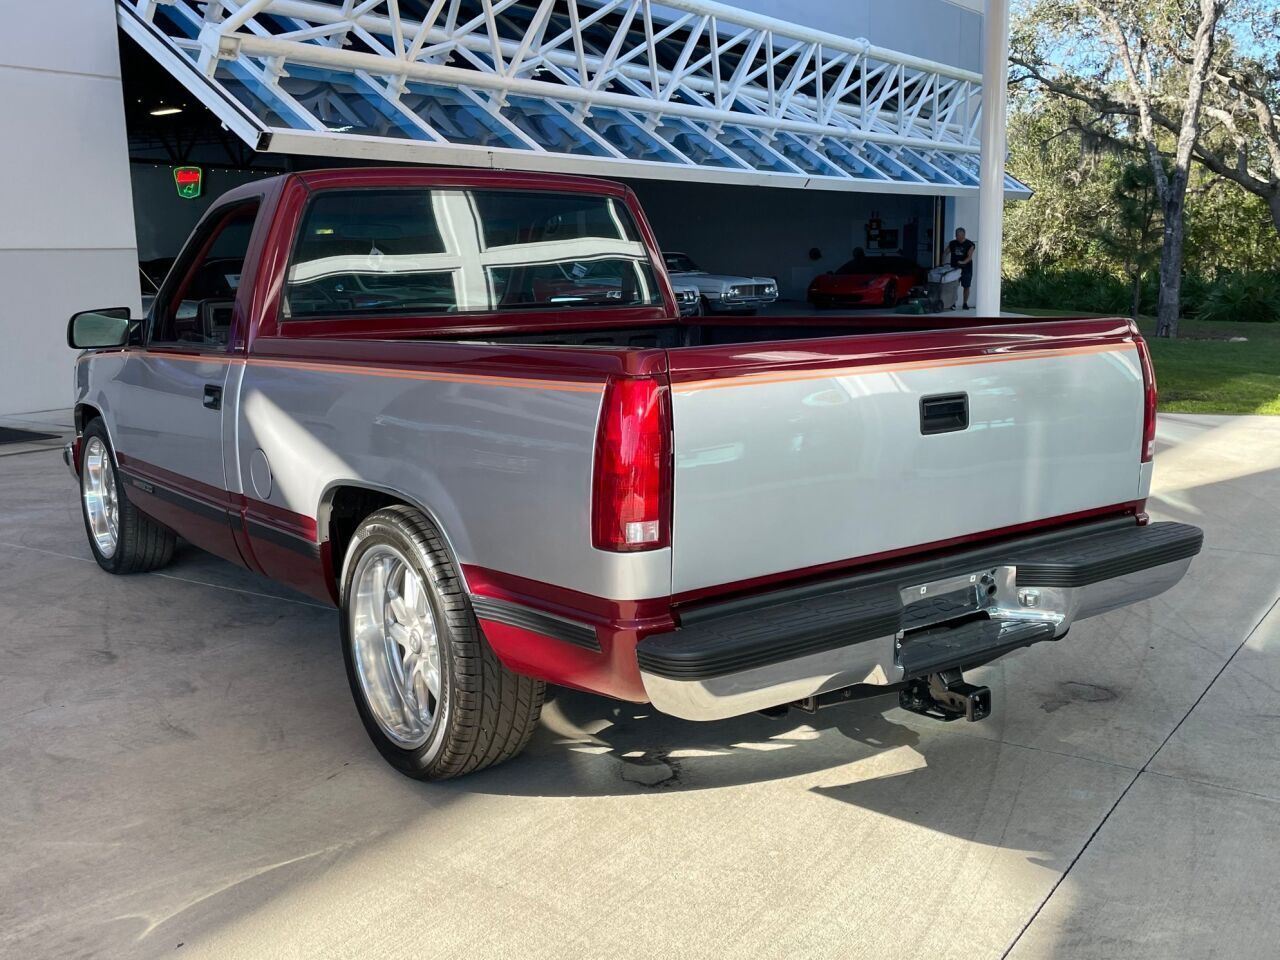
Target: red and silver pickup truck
463,408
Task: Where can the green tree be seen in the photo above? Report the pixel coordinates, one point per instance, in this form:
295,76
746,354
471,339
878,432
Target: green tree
1132,233
1241,139
1143,62
1071,180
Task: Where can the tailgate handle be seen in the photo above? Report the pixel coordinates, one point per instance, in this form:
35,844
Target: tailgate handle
944,413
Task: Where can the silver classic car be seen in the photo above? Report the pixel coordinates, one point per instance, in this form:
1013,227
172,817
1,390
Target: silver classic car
688,297
721,293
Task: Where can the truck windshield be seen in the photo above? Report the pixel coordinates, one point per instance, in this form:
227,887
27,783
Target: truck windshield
375,252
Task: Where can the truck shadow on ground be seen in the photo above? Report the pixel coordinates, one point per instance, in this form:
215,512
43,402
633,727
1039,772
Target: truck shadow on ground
589,745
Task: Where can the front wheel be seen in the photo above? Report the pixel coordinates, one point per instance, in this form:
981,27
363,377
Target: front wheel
433,696
122,538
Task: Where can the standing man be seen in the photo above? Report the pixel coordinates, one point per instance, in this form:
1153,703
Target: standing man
960,252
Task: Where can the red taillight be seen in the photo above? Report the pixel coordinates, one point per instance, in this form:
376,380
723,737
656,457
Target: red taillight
1149,406
630,507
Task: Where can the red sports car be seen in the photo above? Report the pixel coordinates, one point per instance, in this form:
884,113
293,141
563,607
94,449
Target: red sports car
866,282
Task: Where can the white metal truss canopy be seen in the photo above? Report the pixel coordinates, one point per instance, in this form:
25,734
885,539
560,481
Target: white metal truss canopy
679,90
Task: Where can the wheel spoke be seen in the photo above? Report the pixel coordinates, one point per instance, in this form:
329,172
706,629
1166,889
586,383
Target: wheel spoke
398,609
399,633
378,580
396,667
432,675
413,595
425,696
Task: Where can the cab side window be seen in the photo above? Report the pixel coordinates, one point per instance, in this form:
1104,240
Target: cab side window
198,309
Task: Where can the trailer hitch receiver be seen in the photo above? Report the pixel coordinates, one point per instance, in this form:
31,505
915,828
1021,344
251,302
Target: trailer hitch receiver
945,696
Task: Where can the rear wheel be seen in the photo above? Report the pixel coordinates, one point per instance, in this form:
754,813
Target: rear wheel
122,538
432,694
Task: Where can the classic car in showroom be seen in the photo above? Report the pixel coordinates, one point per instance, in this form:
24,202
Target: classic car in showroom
866,282
688,297
720,293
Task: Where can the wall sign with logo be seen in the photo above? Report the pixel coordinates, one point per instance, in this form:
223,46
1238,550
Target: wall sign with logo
189,181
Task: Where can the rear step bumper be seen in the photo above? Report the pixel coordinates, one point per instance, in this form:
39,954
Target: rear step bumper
894,625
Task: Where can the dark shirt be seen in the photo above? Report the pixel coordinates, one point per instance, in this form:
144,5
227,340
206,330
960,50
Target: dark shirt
959,250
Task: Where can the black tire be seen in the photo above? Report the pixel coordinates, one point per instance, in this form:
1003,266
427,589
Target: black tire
486,713
890,298
142,544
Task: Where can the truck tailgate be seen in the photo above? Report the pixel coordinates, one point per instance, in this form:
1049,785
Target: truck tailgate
794,456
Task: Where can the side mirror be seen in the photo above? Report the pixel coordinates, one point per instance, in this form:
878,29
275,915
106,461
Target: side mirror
94,329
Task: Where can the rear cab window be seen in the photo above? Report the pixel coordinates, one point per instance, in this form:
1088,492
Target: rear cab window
405,251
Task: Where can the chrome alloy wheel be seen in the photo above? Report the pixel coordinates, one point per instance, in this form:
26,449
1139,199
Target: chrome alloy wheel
101,506
395,646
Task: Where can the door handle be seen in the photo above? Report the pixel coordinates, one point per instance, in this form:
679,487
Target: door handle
212,396
944,413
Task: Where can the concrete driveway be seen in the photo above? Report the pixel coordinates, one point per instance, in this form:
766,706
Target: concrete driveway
181,769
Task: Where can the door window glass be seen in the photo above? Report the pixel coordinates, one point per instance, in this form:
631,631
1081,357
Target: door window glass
199,309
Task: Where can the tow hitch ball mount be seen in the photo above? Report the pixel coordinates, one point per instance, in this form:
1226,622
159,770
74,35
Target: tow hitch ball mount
945,696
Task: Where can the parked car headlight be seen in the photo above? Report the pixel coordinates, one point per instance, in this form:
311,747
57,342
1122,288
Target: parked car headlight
771,290
735,292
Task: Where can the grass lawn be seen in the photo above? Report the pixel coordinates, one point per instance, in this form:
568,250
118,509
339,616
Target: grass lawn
1203,372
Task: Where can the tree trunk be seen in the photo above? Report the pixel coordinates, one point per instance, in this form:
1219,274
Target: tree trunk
1171,259
1273,204
1137,294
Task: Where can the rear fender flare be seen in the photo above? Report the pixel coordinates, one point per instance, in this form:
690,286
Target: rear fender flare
325,507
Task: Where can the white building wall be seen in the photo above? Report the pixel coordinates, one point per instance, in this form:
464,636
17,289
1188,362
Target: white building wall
66,217
942,30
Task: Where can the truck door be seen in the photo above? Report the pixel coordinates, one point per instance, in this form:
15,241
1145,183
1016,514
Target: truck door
170,396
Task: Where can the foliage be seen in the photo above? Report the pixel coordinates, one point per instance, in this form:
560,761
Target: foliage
1140,67
1243,298
1071,184
1195,287
1229,229
1088,291
1076,164
1249,297
1132,233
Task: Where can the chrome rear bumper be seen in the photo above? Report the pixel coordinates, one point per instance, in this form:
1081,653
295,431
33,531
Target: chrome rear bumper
892,626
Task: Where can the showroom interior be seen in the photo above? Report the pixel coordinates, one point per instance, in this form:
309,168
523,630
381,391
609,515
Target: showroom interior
135,97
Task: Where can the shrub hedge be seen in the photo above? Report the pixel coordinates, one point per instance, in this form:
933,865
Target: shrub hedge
1240,297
